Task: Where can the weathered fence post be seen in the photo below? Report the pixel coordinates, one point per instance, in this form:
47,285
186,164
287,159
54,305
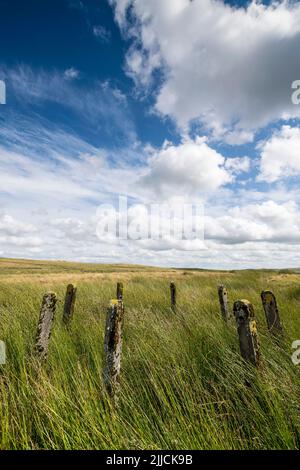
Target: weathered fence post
69,304
113,347
223,298
45,324
120,290
173,295
271,311
2,353
247,331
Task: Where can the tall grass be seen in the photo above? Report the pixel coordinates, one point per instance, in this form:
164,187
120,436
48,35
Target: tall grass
184,384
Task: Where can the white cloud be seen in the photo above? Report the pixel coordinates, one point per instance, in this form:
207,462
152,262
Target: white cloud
231,68
71,73
191,167
61,168
38,177
74,229
21,242
254,235
17,234
280,155
99,102
101,33
265,222
10,226
238,164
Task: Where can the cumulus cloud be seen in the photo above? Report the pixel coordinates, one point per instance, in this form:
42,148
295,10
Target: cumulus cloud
11,226
238,164
280,155
229,67
70,228
252,235
248,229
266,222
191,167
15,233
156,227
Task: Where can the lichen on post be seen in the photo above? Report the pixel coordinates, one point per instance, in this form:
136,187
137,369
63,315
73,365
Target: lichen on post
271,311
120,291
113,347
247,331
45,324
173,295
69,304
223,299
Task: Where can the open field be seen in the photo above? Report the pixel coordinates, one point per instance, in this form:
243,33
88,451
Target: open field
184,384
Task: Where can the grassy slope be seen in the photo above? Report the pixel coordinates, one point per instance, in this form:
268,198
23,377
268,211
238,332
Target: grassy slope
183,381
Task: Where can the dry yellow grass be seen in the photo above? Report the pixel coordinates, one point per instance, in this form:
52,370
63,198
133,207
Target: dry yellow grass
285,278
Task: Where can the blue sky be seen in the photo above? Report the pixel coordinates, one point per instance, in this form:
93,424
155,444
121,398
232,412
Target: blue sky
162,101
60,35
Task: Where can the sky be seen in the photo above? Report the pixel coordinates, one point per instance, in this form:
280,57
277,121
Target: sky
164,102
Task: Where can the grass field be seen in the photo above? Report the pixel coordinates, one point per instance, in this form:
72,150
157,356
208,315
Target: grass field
183,382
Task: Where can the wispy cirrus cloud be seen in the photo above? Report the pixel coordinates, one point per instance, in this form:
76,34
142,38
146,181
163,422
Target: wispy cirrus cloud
39,160
97,104
101,33
71,73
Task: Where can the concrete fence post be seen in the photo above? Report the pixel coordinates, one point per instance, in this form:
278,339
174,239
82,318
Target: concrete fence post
271,311
173,296
247,331
120,291
223,299
45,325
69,304
113,347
